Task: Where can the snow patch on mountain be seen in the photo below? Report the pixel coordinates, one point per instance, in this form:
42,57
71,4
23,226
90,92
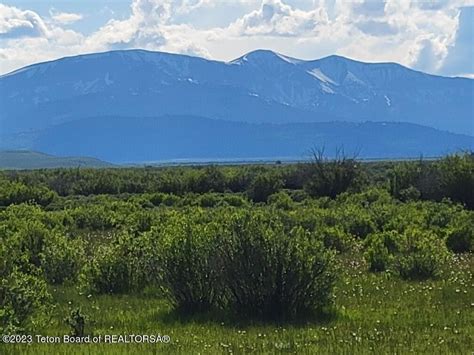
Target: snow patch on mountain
87,87
288,59
317,73
352,77
238,61
327,89
107,79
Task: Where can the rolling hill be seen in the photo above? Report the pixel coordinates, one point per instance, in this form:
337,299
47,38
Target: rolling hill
23,159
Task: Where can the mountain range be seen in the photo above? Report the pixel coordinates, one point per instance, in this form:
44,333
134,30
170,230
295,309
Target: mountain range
286,105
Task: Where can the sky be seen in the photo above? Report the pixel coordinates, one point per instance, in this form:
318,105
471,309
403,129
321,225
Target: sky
435,36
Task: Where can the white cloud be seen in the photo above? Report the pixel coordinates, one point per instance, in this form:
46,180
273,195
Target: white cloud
275,18
418,34
26,38
64,18
15,23
147,27
460,58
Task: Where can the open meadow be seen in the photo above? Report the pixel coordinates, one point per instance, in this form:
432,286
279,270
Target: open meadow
328,257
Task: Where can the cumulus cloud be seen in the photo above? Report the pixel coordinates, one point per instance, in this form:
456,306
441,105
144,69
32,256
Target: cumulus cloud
15,23
460,59
149,26
26,37
376,28
428,56
369,8
140,29
64,18
275,18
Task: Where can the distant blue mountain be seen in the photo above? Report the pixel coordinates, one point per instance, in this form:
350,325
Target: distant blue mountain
260,87
126,140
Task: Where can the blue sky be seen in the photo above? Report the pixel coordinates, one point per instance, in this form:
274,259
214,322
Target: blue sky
433,36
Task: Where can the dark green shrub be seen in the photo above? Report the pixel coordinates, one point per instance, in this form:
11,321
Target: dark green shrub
264,185
17,193
29,243
61,258
273,274
208,200
239,179
191,269
366,198
380,249
423,176
127,264
95,217
415,254
294,176
24,301
140,200
421,255
440,215
461,237
138,222
281,200
357,221
159,198
451,177
298,195
335,238
235,200
107,272
457,178
37,249
411,193
209,179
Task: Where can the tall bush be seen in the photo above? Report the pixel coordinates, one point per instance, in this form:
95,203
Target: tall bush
191,268
457,178
461,236
61,258
273,274
263,185
24,298
416,254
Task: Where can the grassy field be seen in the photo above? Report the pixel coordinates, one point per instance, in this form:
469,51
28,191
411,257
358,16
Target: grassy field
375,313
330,257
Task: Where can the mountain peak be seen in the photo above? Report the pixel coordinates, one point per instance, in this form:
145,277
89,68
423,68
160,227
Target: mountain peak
264,56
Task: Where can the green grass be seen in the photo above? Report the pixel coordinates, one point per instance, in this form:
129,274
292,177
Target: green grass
373,313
